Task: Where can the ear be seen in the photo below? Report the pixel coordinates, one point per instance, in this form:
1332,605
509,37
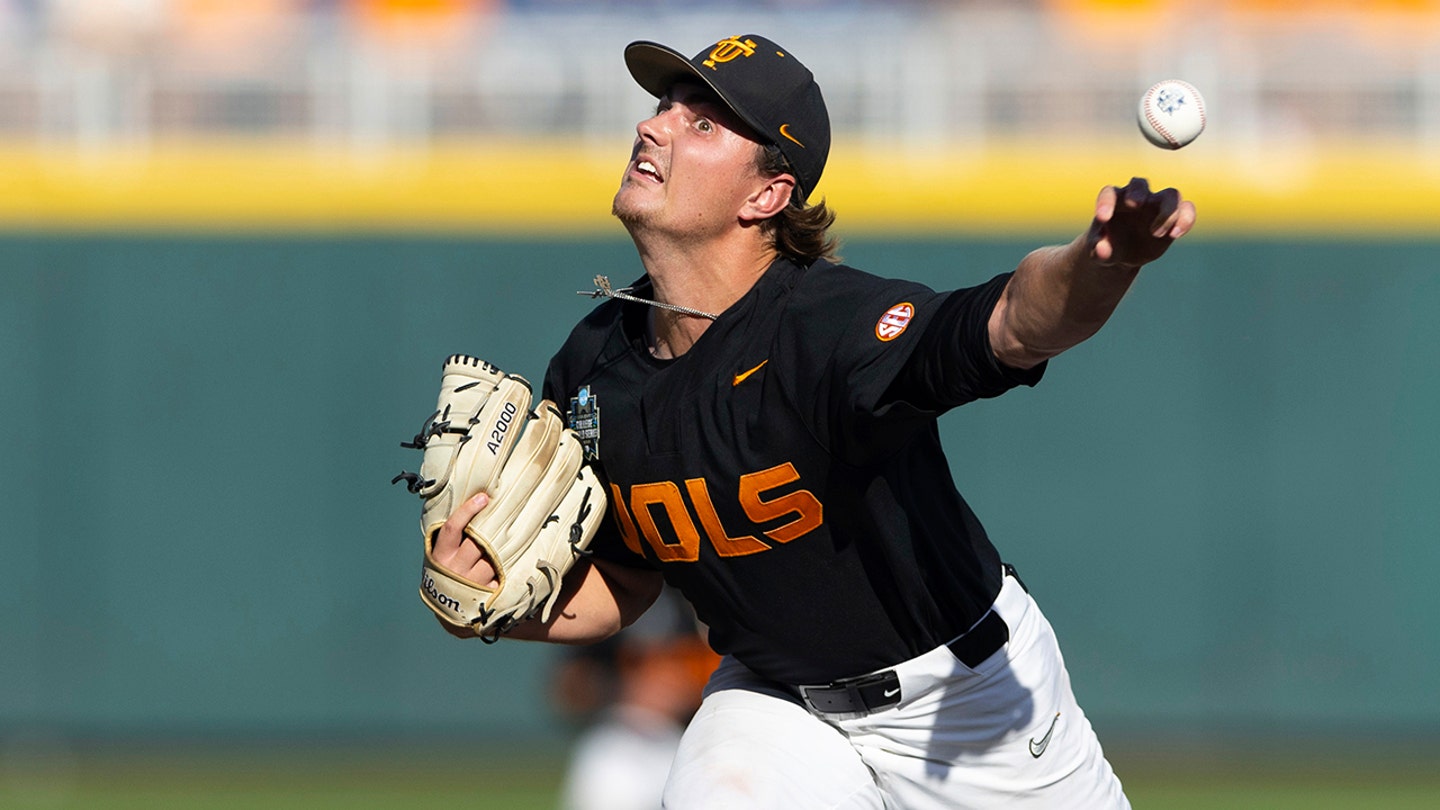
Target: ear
769,198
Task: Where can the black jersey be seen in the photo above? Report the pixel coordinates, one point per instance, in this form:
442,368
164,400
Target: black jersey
786,472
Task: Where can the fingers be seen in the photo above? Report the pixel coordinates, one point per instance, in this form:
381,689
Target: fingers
1134,225
1105,203
1173,217
1168,214
1135,193
1133,196
1164,203
1114,202
451,540
456,552
1183,220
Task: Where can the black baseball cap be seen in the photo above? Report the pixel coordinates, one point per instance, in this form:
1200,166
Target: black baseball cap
761,82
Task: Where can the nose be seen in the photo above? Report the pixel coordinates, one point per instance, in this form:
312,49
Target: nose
654,129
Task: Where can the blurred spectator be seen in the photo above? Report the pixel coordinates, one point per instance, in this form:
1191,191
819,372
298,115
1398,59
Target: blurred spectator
123,27
635,692
708,5
229,37
18,19
421,23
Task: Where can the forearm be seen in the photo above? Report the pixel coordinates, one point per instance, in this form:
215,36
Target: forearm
1058,297
1061,295
595,602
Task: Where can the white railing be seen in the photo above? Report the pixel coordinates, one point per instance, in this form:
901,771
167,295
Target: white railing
910,73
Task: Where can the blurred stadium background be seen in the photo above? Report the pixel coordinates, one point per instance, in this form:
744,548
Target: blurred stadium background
237,237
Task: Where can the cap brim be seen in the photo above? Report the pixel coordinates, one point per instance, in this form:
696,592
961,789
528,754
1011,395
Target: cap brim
657,68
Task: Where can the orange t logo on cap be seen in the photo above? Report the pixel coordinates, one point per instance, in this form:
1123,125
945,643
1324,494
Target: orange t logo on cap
727,49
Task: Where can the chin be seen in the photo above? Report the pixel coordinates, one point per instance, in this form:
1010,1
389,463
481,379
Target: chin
628,215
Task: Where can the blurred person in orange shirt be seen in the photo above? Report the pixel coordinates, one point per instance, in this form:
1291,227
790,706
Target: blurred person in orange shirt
636,692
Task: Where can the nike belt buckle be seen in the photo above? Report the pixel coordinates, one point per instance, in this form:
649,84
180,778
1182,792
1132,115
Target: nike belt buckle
855,696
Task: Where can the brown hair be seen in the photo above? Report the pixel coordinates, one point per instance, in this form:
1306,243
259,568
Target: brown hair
800,232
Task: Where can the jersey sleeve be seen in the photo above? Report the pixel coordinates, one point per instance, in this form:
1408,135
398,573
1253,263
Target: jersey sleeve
953,362
887,356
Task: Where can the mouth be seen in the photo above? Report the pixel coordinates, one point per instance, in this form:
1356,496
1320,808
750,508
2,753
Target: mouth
646,168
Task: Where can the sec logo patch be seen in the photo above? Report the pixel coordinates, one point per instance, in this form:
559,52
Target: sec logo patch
892,324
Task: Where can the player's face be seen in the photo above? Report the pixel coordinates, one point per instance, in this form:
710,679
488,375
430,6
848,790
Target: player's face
692,167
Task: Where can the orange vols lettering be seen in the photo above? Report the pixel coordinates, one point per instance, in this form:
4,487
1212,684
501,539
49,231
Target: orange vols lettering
802,503
807,510
725,545
666,495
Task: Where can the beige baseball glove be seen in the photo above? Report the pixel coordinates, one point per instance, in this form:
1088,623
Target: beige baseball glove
545,504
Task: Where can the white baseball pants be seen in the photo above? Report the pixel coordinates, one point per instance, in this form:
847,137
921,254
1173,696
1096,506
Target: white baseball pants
1007,733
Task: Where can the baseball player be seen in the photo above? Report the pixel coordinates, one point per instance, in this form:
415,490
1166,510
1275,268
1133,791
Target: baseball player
763,422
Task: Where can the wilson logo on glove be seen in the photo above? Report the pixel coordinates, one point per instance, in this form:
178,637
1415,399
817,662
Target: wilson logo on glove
427,584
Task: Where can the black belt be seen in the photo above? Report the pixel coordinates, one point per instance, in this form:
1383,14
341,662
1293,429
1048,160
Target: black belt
881,690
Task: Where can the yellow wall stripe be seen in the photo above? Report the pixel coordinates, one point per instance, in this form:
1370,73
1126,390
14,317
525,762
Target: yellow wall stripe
551,186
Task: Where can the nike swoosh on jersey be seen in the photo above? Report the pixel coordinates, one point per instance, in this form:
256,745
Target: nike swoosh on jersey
742,376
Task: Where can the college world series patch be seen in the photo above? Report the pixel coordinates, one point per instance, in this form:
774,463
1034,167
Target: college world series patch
585,421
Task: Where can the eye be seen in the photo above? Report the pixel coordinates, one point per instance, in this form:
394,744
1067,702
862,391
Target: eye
704,125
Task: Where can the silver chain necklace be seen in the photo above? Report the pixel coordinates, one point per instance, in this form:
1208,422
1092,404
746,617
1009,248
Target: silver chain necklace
602,288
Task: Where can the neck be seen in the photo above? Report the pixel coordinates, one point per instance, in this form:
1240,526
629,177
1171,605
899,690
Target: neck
704,279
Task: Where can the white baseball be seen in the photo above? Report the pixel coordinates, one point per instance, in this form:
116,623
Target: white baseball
1172,114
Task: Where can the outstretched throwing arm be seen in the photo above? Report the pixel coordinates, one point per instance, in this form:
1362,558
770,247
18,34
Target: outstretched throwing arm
1061,295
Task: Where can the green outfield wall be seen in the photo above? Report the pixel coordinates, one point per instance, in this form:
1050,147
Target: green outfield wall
1228,502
